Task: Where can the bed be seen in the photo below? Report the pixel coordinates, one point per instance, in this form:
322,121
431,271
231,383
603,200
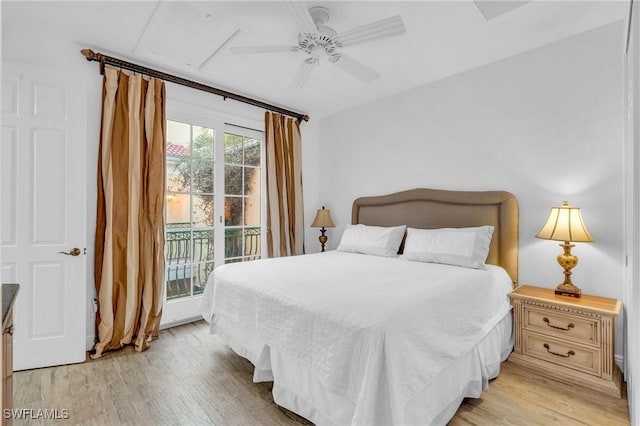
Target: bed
350,338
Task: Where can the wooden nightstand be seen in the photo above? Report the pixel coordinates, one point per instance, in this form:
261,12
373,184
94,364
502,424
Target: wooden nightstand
567,338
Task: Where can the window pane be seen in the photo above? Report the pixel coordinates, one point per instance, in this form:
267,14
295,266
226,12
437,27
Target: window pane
178,280
252,211
202,245
233,242
203,211
178,174
178,139
252,152
252,243
202,176
178,210
251,181
233,211
233,180
178,255
232,149
203,142
201,273
178,246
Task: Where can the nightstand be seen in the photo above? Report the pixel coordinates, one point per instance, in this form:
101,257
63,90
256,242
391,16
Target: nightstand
566,338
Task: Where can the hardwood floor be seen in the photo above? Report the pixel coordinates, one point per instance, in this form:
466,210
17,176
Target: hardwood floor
189,377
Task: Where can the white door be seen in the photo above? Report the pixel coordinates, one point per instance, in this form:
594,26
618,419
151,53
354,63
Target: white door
44,211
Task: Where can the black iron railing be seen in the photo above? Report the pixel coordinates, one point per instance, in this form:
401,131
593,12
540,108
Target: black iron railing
190,255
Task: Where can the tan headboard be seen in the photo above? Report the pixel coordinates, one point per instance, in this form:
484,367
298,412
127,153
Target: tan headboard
434,208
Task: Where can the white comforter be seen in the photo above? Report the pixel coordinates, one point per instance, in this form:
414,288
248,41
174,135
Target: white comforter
375,330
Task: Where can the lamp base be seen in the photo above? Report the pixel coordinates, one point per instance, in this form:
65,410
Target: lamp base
323,239
567,261
568,289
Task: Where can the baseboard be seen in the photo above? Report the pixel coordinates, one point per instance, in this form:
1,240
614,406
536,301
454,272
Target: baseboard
180,322
619,360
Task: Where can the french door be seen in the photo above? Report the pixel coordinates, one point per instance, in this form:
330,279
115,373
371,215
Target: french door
214,206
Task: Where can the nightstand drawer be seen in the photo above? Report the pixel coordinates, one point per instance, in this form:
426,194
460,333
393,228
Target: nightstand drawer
563,353
562,325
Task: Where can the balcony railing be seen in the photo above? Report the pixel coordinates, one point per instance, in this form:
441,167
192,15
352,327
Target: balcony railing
190,255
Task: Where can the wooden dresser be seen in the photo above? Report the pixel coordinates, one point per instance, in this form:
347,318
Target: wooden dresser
567,338
9,293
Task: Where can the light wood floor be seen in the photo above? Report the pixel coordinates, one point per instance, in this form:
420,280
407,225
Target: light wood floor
189,377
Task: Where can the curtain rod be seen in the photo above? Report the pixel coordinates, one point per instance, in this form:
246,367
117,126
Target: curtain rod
104,59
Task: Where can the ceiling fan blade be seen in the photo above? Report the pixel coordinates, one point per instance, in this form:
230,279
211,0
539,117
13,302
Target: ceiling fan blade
301,15
354,67
242,50
304,72
384,28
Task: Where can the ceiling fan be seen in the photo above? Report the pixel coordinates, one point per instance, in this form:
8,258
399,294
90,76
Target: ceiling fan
316,40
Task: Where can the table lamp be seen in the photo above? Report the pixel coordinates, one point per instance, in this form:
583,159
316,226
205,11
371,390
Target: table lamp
323,220
565,224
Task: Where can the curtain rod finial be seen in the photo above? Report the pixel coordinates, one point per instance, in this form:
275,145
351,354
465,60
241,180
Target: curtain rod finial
89,54
305,117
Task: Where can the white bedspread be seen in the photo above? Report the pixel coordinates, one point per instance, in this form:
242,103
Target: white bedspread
375,330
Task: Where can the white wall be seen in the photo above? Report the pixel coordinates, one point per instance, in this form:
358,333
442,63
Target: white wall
546,125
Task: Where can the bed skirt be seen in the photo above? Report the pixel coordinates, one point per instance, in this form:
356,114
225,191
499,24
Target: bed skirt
296,388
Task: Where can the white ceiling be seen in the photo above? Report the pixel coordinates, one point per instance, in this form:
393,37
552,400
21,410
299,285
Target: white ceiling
443,38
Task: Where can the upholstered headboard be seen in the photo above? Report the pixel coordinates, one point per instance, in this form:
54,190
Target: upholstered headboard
434,208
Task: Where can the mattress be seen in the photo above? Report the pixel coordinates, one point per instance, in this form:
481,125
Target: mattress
356,339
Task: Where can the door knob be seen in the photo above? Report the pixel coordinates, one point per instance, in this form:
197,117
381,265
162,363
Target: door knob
73,252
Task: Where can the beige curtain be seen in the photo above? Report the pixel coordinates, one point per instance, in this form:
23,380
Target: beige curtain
129,259
285,212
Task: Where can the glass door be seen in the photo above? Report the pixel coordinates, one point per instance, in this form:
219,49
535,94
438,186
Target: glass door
214,207
242,202
190,210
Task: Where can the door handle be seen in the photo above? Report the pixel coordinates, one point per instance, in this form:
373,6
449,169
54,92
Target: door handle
73,252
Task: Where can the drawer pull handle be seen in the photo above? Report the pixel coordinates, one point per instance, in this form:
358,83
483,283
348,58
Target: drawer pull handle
546,346
569,327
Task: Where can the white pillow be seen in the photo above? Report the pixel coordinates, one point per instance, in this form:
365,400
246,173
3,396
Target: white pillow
466,247
377,240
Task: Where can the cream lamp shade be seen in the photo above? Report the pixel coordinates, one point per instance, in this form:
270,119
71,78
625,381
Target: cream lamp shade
323,220
565,224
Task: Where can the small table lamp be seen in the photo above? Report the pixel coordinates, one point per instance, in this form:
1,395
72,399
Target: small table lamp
323,219
565,224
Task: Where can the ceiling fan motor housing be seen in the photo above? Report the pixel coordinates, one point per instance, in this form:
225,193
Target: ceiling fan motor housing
321,43
317,44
